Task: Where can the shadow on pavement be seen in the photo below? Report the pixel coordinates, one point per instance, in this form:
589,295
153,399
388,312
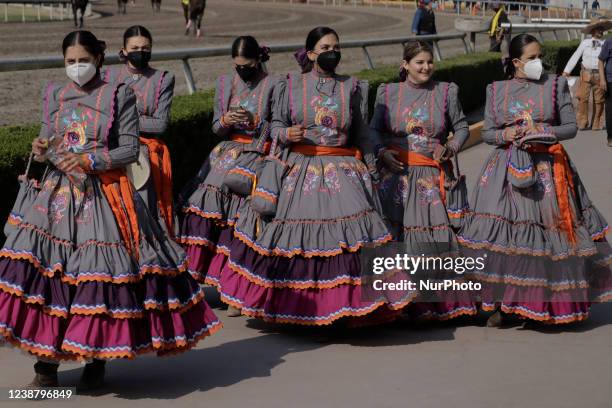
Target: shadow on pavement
198,370
232,362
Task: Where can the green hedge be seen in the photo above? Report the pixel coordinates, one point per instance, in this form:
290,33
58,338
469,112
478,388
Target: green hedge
190,139
557,53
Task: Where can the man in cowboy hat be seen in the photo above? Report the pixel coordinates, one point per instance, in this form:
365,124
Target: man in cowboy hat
589,51
605,79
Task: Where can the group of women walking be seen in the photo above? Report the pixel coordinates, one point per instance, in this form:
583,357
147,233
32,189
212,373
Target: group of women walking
97,265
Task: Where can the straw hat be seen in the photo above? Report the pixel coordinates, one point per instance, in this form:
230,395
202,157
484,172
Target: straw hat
140,171
602,24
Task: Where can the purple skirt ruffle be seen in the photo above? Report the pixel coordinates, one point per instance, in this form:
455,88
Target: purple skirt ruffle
297,290
50,318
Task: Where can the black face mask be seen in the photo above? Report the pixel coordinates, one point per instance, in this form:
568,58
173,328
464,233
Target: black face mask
246,72
329,60
139,59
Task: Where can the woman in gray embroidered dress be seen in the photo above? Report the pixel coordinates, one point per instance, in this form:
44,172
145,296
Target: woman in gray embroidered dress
302,266
86,272
542,237
242,115
412,120
154,90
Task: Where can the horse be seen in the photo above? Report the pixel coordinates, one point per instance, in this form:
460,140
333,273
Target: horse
78,5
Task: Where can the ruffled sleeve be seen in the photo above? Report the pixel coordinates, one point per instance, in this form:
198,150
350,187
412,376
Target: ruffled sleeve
156,123
281,111
492,132
265,125
456,119
123,143
217,127
566,127
48,102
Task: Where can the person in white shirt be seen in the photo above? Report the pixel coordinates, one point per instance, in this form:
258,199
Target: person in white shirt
588,51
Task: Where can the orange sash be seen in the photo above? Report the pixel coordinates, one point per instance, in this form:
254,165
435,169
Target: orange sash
315,150
240,138
564,184
161,169
120,195
416,159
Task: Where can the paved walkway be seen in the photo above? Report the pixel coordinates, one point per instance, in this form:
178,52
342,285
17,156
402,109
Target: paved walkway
250,364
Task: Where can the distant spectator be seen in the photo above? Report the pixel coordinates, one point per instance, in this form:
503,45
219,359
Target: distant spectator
196,13
605,82
185,4
156,5
594,8
588,52
121,6
424,22
79,7
497,34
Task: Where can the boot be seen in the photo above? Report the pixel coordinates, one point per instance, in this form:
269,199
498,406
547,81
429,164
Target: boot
233,311
583,95
92,377
582,115
598,109
45,375
496,319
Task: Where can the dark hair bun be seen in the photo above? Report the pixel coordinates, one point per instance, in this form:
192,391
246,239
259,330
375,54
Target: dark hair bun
264,54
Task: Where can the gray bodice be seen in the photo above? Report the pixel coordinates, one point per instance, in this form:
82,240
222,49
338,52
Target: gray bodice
419,118
100,121
519,102
154,91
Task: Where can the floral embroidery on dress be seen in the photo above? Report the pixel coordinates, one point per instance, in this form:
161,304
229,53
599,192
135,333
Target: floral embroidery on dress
349,172
331,178
522,112
313,174
291,179
428,190
544,178
362,169
75,126
226,160
45,191
326,116
484,179
84,203
415,120
59,204
49,184
215,153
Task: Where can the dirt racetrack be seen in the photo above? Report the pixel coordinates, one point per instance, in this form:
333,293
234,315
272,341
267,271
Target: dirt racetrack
224,19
